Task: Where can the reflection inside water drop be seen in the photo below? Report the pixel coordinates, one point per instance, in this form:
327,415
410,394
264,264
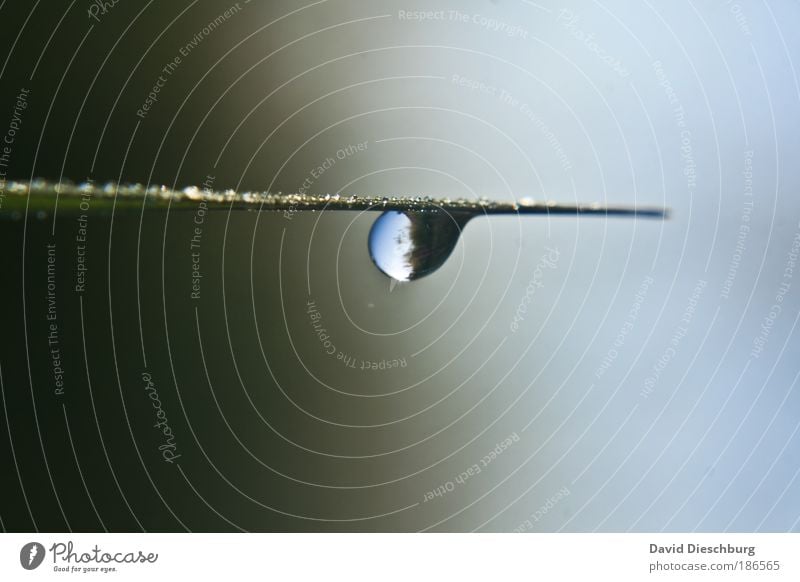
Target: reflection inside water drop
407,245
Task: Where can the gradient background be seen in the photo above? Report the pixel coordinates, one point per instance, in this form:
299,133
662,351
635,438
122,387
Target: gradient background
625,102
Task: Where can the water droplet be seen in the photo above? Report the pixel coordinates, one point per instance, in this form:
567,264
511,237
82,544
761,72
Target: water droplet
409,245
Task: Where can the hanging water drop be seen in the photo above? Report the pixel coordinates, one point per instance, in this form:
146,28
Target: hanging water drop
409,245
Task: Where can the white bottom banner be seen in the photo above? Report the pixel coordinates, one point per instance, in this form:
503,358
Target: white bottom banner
354,557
